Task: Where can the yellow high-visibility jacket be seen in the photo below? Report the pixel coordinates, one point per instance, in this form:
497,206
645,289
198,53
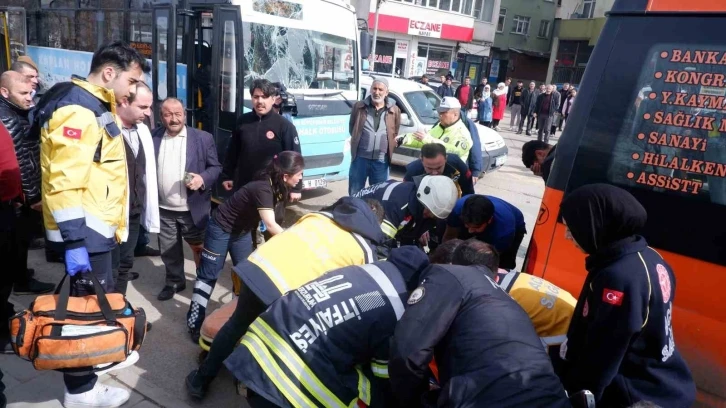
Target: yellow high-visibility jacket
550,308
83,163
456,138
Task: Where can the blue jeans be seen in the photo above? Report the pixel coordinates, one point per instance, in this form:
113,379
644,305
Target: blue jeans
375,171
217,243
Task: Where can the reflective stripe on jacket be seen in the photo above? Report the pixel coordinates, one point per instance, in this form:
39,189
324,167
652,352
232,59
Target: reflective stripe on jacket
83,162
314,346
456,138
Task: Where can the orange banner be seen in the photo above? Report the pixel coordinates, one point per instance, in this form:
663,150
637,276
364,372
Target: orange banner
691,5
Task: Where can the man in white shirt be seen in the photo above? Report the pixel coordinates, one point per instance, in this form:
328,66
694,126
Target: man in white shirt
143,192
187,169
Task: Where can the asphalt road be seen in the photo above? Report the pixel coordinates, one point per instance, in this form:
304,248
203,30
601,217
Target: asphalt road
168,353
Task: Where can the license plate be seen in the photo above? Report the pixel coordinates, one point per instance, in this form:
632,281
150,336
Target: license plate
314,183
499,161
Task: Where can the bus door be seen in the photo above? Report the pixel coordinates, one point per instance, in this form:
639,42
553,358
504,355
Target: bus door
163,63
12,35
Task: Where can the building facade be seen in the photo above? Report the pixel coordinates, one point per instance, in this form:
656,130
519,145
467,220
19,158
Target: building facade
433,37
577,27
522,44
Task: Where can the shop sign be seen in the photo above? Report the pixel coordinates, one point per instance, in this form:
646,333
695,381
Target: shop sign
401,49
384,59
424,28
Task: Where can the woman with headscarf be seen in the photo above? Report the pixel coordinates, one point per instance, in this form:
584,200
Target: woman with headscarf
484,107
620,343
499,103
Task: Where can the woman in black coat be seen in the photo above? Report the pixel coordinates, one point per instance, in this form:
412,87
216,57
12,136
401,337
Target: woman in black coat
620,343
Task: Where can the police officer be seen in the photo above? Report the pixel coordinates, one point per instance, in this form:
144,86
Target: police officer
341,235
487,351
435,162
326,343
260,135
412,206
620,344
451,131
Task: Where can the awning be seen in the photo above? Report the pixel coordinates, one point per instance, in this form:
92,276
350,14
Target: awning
475,49
534,54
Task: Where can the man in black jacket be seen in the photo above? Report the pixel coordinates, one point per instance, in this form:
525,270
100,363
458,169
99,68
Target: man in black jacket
548,103
486,349
259,136
15,102
529,98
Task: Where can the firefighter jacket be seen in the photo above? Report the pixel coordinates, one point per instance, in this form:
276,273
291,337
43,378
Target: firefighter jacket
487,351
27,149
549,307
341,235
404,220
83,162
456,138
455,169
326,343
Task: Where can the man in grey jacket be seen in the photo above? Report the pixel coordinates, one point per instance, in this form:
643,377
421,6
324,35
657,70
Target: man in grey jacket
373,127
547,104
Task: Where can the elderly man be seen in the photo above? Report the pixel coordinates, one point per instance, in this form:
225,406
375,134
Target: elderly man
15,102
451,131
141,168
187,170
373,127
544,110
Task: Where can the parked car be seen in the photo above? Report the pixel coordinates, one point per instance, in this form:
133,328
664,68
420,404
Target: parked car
418,104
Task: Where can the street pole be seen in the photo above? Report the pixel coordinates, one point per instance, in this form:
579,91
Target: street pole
375,35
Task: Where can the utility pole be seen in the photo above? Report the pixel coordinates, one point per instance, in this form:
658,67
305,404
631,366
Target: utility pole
375,34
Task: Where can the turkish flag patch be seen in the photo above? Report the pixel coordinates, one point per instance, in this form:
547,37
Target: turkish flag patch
612,296
71,133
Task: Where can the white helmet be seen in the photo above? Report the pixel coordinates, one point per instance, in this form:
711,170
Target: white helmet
438,194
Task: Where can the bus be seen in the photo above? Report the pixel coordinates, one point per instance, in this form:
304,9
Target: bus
650,118
206,53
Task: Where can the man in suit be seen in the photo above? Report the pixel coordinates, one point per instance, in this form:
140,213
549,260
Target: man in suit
544,110
187,170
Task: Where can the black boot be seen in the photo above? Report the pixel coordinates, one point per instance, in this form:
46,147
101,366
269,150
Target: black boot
197,385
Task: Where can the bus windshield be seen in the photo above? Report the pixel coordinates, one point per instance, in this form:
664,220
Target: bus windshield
299,58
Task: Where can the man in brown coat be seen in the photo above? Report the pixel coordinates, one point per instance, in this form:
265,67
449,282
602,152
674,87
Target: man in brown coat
373,127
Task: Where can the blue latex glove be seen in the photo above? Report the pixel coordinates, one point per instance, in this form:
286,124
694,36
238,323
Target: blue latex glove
77,261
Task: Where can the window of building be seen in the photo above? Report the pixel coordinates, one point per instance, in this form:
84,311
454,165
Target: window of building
502,19
438,59
433,3
544,29
445,5
588,8
456,6
520,25
467,7
483,10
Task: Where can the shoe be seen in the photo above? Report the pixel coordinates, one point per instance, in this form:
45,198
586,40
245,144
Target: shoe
101,396
148,326
33,287
197,385
37,243
169,291
131,359
148,251
133,276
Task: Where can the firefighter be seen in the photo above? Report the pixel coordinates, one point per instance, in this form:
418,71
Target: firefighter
487,351
341,235
326,343
412,207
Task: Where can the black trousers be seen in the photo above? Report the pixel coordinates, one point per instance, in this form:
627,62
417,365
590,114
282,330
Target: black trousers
508,257
26,225
8,252
80,380
3,400
123,256
249,307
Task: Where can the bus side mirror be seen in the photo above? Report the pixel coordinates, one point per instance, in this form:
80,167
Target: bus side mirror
366,44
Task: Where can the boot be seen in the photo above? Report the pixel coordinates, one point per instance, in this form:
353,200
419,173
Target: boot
197,385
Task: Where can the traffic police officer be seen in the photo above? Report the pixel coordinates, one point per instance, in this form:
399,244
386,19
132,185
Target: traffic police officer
451,131
318,345
411,206
487,351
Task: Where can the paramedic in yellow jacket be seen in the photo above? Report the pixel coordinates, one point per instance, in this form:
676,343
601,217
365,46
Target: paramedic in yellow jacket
451,131
343,234
84,183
